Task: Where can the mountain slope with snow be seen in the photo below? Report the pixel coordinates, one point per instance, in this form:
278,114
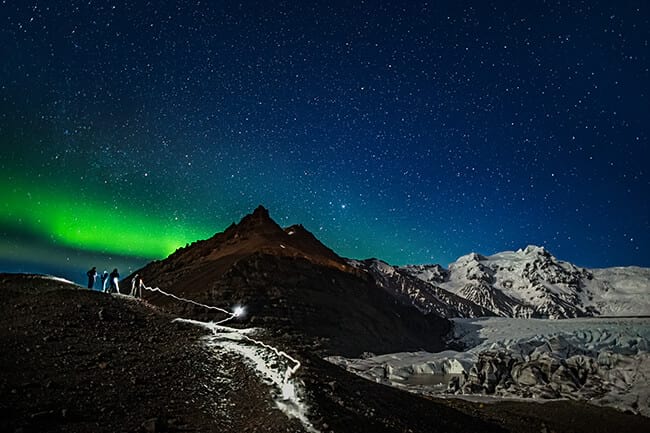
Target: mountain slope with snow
531,282
621,290
411,290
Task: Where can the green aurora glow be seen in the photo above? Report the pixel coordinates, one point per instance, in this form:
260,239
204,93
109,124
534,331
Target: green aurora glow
46,212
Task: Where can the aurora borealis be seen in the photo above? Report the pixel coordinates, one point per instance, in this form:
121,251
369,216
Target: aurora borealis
92,225
410,131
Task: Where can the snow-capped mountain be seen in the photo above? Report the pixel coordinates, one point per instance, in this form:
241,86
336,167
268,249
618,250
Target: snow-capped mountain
426,297
531,282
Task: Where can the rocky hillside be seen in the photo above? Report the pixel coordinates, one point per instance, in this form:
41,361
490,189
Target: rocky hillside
531,282
290,282
76,361
426,297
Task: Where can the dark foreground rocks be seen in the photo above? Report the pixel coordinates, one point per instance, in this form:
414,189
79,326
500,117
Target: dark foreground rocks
73,360
81,361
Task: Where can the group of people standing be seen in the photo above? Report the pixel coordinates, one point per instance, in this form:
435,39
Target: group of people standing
110,282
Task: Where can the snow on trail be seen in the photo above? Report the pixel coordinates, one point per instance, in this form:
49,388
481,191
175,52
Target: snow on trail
270,363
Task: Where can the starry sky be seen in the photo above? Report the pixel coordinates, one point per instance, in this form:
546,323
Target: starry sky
413,131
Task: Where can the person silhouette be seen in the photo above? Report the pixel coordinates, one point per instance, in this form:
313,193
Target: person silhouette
92,274
134,286
104,281
114,281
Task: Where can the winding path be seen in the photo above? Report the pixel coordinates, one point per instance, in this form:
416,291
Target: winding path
260,355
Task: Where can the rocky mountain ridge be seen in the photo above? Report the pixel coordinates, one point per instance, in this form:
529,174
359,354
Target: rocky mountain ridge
290,282
426,297
530,282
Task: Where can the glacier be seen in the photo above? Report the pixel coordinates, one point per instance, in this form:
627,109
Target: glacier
604,361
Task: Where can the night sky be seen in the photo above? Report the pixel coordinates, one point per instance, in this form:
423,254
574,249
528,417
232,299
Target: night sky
414,132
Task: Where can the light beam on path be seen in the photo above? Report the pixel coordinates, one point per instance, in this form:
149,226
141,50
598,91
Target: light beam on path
287,388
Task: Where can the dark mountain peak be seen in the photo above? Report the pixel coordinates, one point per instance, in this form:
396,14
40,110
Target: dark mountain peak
252,233
258,223
261,212
256,233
